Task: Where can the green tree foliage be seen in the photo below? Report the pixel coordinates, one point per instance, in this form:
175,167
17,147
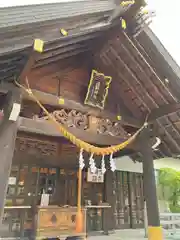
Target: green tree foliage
170,179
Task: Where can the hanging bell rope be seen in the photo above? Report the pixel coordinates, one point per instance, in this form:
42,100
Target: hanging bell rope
79,215
76,141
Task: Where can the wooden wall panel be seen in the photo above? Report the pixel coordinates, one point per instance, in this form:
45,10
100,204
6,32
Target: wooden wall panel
68,78
75,83
45,84
31,149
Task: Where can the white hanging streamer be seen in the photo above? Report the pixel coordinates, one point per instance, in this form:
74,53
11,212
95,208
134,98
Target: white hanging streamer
112,163
81,159
103,168
92,164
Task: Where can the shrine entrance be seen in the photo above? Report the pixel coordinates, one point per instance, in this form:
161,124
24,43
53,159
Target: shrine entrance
129,200
28,181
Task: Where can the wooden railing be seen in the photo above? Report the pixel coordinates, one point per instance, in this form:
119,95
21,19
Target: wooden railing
170,223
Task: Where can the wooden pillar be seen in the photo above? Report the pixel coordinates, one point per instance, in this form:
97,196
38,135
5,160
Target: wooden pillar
154,229
8,131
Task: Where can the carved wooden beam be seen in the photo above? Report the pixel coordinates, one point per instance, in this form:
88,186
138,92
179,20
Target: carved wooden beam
163,111
45,128
53,100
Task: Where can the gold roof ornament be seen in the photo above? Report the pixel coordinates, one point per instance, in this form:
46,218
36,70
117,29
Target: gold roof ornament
127,3
38,45
64,32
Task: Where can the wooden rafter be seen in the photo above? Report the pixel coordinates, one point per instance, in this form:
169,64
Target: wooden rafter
32,58
109,64
141,91
126,69
150,47
149,68
142,79
163,111
171,137
136,85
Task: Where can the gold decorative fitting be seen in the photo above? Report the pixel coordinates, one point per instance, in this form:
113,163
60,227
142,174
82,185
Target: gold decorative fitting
127,3
145,11
119,118
61,101
123,23
63,32
38,45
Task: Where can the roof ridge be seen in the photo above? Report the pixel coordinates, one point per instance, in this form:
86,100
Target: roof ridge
41,4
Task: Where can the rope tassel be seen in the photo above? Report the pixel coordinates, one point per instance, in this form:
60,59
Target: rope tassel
92,164
112,163
81,159
103,168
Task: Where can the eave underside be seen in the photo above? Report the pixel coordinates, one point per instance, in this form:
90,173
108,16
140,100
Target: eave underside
142,89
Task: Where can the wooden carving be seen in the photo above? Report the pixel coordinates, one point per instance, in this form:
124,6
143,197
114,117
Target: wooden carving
69,118
36,147
77,119
105,126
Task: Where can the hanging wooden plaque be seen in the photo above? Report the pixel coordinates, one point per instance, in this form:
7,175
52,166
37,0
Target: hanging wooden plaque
97,89
97,177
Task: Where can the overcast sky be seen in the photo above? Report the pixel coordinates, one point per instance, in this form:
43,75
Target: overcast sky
165,24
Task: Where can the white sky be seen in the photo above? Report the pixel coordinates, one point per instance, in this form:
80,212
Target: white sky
165,24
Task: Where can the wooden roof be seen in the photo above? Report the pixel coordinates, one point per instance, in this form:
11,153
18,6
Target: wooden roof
38,13
160,59
19,26
169,73
44,21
